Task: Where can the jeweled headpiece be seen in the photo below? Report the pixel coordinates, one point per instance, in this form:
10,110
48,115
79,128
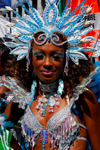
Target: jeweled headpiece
73,27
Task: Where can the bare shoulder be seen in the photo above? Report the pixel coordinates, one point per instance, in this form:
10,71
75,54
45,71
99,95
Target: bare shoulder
89,103
91,113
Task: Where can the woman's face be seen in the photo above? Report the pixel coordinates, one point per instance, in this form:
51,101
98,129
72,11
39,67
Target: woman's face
9,68
48,61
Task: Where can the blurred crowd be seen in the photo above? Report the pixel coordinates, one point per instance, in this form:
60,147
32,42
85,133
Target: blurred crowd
7,68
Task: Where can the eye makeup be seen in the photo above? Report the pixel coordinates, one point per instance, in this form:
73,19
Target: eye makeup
57,56
39,55
54,56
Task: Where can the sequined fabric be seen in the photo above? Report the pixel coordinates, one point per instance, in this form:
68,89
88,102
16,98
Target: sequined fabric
61,127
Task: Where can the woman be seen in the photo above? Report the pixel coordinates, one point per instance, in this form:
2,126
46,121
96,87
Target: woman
8,62
60,113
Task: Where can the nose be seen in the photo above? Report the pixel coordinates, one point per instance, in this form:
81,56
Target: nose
47,63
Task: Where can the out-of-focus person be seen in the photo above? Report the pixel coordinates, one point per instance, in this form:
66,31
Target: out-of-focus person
8,62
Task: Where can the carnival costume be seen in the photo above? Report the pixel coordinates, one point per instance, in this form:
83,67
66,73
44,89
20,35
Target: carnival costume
63,128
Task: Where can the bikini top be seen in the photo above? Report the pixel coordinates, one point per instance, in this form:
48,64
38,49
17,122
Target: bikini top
61,127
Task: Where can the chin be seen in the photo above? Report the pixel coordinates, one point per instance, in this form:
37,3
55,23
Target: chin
47,80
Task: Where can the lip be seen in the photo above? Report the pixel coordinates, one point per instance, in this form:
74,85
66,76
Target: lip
47,72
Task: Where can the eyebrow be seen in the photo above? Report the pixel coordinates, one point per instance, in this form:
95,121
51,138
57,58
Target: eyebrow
39,51
53,52
57,52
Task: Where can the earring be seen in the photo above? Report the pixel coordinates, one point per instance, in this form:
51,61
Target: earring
60,87
33,91
28,60
34,76
66,64
63,75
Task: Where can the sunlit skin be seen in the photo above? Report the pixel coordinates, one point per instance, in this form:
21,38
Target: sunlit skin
48,62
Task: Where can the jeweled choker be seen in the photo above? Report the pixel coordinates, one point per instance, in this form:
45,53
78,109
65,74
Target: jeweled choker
48,87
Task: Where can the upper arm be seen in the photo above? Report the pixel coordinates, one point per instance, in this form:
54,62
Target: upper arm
91,114
13,112
2,90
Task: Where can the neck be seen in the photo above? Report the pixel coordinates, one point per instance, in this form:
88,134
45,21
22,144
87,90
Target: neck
48,88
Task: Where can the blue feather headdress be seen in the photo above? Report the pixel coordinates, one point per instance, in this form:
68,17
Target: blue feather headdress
73,27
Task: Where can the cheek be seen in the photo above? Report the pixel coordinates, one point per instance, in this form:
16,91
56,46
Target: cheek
59,65
36,64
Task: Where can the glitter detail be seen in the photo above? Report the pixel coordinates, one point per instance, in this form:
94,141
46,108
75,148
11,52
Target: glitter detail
60,127
48,87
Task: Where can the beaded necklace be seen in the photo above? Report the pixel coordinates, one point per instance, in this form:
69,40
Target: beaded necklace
50,100
45,101
44,138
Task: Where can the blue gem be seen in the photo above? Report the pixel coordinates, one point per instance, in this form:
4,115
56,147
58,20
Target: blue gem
41,37
46,105
55,38
43,146
43,143
43,139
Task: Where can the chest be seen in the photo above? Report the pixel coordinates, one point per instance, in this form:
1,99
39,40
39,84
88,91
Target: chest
48,115
60,127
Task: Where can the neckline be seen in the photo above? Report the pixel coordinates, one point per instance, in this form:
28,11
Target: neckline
65,107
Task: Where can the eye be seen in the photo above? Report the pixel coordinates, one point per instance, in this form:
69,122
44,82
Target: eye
39,56
57,56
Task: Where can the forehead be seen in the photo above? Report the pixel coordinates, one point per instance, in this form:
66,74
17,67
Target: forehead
47,47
